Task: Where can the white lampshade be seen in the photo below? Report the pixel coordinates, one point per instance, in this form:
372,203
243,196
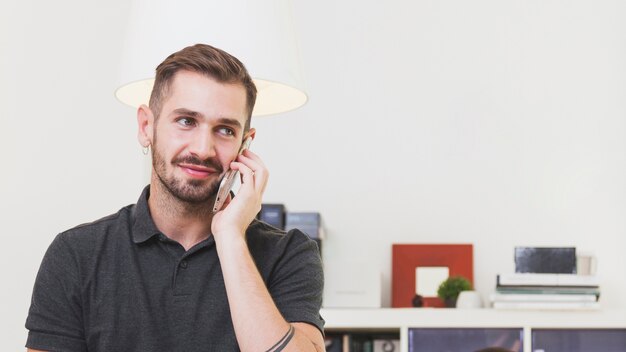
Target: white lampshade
257,32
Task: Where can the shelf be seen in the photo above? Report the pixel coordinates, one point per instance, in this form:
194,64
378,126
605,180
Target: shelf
397,318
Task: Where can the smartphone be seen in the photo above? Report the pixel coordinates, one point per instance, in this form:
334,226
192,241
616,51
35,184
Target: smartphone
228,180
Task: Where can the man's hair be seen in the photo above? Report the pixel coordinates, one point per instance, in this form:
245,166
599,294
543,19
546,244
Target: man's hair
204,59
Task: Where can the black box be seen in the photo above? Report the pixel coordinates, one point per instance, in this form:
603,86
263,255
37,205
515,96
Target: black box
545,260
273,214
310,223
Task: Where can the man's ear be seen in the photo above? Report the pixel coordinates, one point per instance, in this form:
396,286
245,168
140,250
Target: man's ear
145,124
251,133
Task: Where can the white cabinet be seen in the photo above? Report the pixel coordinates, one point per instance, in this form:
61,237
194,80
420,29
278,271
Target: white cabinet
548,326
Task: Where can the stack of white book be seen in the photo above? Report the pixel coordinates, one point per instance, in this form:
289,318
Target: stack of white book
546,291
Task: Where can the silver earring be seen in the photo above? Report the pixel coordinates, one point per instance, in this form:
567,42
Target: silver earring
146,149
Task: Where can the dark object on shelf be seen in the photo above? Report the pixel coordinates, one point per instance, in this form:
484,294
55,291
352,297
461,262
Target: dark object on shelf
273,214
333,343
449,290
310,223
418,301
545,260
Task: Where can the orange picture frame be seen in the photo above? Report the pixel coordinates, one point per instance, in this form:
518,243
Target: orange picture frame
459,258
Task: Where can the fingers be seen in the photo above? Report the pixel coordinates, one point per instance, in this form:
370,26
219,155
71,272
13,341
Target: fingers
249,195
255,164
247,175
249,154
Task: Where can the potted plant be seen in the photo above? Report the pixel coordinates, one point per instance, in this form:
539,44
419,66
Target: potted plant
449,289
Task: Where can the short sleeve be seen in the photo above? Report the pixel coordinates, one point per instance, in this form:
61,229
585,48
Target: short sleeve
55,319
297,282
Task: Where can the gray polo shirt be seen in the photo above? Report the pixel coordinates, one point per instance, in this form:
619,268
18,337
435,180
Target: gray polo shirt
118,284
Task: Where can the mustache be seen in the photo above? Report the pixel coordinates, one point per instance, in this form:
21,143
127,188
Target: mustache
209,163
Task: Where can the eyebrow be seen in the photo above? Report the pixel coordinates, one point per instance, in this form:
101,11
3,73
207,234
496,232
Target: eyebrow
224,120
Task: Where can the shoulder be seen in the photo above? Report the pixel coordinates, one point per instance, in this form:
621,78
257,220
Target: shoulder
85,239
273,249
266,238
98,228
291,266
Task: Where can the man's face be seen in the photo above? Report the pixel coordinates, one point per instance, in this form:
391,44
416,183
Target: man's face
197,134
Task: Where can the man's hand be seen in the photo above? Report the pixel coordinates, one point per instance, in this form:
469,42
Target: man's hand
258,323
238,213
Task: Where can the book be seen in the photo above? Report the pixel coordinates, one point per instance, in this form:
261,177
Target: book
361,342
530,297
542,290
548,305
333,343
557,280
347,341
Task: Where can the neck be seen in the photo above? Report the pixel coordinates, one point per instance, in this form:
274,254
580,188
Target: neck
185,223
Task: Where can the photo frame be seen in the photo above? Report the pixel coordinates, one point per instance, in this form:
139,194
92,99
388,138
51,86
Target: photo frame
407,257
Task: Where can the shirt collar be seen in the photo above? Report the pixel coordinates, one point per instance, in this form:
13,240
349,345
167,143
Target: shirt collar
143,225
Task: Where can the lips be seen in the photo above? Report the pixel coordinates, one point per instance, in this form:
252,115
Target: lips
197,171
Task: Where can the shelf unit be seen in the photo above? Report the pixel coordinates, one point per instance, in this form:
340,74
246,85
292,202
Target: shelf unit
401,319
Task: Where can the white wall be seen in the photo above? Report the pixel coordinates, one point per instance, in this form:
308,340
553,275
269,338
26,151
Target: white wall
68,150
497,123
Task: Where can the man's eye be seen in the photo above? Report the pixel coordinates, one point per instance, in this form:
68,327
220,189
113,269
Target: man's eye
185,121
226,131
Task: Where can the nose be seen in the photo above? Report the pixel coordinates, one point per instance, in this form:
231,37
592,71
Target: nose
202,145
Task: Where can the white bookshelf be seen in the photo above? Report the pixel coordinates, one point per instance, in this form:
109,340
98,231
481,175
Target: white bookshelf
401,319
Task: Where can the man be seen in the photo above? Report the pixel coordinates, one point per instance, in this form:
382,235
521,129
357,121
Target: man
167,274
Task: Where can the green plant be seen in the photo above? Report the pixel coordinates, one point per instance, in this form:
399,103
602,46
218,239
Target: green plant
452,286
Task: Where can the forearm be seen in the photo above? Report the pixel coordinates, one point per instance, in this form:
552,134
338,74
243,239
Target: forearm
257,321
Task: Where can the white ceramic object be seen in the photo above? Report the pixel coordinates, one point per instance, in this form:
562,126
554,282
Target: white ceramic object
469,300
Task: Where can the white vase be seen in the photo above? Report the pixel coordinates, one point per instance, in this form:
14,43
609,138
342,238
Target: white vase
469,300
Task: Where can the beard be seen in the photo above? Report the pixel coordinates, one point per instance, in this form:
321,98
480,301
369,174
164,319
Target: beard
189,191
